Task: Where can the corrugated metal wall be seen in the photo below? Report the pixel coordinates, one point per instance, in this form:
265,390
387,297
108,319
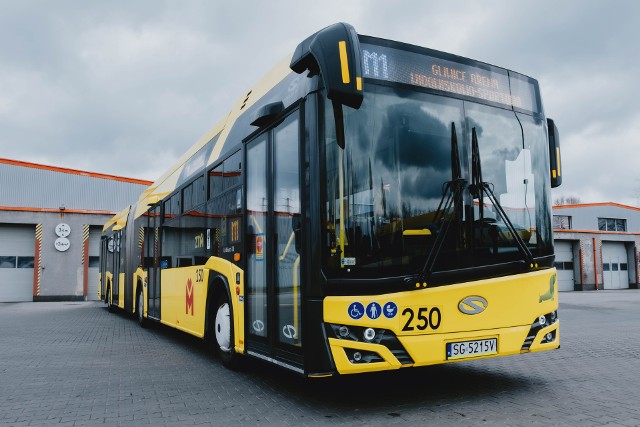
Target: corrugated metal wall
22,186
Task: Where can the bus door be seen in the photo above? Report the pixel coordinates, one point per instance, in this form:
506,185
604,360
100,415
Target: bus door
152,257
273,286
104,251
115,268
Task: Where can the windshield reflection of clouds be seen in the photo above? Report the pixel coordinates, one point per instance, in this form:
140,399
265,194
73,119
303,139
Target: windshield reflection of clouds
397,161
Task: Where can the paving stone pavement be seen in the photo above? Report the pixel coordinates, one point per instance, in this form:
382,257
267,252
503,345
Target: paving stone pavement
73,363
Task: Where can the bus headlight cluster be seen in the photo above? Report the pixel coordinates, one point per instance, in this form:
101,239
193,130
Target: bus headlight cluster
538,324
548,319
368,335
358,333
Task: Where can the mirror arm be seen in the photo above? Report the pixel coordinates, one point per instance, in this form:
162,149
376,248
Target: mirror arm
338,116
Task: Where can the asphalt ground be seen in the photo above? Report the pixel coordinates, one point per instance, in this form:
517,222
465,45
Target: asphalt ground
73,363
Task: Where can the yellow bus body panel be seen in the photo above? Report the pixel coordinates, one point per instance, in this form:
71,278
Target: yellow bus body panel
183,298
514,303
184,291
121,290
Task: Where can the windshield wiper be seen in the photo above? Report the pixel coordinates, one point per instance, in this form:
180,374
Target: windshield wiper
451,195
479,189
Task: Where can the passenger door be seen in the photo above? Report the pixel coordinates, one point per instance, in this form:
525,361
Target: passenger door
273,286
151,262
115,268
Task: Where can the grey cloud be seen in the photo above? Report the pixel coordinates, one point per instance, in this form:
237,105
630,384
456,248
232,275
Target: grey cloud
104,85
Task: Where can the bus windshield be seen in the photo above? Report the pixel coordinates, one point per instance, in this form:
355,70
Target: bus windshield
386,209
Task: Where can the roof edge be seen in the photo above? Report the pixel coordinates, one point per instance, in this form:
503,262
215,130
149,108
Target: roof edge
74,171
55,210
590,205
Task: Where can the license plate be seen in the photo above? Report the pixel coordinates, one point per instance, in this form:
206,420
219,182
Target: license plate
475,348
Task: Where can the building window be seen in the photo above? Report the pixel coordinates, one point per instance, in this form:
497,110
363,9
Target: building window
7,262
16,261
612,224
564,265
561,222
94,262
25,262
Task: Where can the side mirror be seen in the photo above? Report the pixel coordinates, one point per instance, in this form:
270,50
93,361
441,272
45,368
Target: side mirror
555,163
334,53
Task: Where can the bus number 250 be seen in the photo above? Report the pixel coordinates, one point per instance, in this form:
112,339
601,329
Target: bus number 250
421,318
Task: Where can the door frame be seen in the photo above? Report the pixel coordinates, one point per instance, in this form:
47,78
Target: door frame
153,270
270,348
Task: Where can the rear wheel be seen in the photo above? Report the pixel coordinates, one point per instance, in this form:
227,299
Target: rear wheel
223,338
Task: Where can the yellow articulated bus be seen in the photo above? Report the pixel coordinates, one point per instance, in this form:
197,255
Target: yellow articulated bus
368,205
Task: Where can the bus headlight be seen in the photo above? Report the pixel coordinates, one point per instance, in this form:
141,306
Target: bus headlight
343,331
369,334
549,337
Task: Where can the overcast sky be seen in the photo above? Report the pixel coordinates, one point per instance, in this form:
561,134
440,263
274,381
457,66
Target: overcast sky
126,87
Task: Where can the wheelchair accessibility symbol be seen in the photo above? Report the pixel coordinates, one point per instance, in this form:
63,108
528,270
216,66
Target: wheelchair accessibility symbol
356,310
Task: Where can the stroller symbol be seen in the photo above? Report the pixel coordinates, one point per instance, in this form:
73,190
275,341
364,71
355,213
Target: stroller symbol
390,310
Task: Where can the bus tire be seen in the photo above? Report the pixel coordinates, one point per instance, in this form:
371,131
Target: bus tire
140,309
223,337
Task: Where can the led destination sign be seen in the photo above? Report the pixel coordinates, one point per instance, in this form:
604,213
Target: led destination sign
416,69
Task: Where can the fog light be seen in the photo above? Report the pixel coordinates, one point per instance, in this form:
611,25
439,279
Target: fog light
357,356
549,337
343,331
542,320
369,334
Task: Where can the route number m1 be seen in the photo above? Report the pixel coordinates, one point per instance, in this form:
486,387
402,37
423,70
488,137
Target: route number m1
375,65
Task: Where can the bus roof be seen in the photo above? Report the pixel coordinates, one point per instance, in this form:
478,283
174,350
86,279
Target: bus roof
168,182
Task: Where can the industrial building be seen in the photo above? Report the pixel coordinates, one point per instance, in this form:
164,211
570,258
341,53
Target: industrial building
596,246
50,224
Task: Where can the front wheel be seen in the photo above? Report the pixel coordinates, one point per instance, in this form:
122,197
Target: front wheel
223,338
